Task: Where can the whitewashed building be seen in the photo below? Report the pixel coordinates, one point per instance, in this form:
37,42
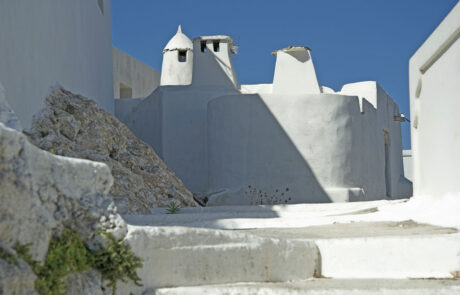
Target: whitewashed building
434,76
290,141
47,42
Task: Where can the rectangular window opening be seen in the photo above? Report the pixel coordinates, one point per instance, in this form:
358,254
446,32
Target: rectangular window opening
216,46
182,55
126,91
203,46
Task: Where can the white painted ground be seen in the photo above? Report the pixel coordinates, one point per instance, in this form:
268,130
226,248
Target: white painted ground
325,287
441,211
286,244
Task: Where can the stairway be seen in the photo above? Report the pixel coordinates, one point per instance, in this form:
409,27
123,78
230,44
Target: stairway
353,257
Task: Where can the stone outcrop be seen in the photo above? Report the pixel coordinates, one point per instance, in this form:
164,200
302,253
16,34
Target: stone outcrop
16,279
7,115
85,283
74,126
42,193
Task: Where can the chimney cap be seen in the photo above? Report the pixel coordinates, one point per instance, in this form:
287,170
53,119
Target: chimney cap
292,48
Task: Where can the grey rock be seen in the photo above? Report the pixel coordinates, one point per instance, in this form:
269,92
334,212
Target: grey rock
85,283
7,115
42,193
75,126
16,279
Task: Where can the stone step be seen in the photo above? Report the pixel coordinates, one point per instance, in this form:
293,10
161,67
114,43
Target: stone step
379,250
323,287
399,257
178,256
263,244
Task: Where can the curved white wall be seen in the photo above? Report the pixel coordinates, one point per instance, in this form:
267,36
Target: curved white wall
48,41
175,72
270,143
321,147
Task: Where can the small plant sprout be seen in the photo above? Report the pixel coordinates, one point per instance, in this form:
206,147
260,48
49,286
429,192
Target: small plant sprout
172,208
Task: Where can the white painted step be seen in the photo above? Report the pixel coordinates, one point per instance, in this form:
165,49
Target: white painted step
323,287
417,256
380,250
177,256
233,245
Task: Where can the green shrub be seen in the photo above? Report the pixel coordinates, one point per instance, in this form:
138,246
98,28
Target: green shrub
68,254
11,259
172,208
117,262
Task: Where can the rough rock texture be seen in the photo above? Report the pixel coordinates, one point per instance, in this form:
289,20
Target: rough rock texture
85,283
74,126
7,116
41,193
18,280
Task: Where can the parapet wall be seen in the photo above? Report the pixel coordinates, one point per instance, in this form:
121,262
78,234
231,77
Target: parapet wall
131,77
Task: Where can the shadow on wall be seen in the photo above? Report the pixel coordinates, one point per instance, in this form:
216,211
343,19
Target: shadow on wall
239,152
300,56
173,119
252,159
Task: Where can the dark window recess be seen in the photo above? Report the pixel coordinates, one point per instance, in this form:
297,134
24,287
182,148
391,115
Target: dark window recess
182,55
215,45
126,91
203,46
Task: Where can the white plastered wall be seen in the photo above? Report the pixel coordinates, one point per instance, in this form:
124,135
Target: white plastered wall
370,92
294,72
173,121
407,162
48,41
281,144
211,68
217,136
434,75
173,71
321,147
141,78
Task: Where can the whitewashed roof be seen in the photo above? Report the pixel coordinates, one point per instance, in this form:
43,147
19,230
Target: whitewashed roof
179,42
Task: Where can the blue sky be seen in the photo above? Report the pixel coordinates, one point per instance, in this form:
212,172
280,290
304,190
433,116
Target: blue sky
351,40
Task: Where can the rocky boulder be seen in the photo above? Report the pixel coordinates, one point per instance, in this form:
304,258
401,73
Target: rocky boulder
41,194
74,126
16,279
7,115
